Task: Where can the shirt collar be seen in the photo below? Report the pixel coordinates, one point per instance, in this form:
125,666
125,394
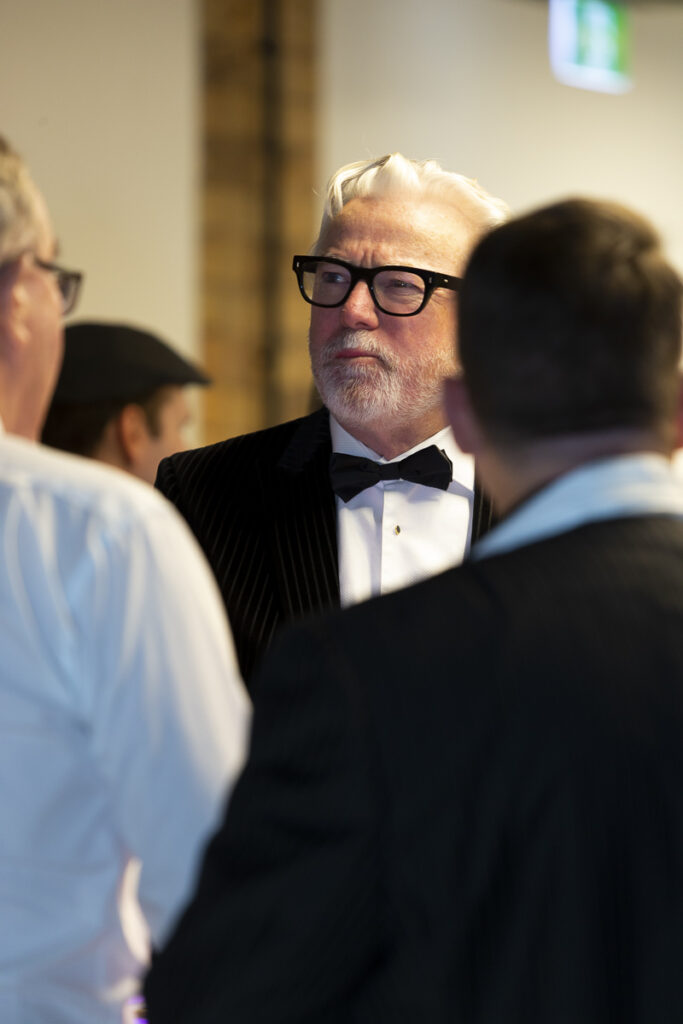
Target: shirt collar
626,485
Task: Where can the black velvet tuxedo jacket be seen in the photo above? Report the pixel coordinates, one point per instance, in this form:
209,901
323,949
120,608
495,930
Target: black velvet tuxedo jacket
263,510
463,804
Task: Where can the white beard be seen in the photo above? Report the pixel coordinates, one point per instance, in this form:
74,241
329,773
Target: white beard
383,389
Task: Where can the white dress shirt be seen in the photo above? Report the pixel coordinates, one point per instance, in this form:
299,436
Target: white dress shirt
123,723
626,485
396,532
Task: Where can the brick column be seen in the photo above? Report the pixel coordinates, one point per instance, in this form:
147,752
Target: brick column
257,209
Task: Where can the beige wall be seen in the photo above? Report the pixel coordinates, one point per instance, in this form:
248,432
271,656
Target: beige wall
101,97
468,82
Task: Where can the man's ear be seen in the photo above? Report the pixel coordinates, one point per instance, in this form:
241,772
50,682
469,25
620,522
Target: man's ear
462,418
7,280
13,310
133,434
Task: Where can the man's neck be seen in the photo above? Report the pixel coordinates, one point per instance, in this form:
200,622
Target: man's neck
392,440
20,420
514,474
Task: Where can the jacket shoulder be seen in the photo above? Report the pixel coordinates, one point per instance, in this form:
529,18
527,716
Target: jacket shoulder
217,468
267,443
236,454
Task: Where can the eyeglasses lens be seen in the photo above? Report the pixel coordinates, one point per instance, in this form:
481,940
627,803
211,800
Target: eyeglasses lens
326,283
66,287
399,291
69,283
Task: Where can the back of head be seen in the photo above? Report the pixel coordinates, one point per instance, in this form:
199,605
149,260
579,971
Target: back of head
570,322
396,175
19,217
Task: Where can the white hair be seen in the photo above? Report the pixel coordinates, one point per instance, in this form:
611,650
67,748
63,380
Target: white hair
395,174
19,216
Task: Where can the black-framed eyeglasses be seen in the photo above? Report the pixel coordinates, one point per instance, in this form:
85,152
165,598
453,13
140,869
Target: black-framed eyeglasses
399,291
68,282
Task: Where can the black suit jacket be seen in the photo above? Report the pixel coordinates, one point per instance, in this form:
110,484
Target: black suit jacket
263,510
472,825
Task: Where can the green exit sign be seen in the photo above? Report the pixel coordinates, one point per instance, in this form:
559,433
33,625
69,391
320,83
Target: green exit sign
590,44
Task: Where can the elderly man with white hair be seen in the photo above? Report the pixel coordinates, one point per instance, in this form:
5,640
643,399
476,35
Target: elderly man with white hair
371,492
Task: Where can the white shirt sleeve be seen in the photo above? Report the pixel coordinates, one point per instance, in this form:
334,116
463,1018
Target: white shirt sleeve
170,714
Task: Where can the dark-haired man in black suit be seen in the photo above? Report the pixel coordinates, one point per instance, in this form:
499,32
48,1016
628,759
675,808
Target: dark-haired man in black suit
381,283
485,824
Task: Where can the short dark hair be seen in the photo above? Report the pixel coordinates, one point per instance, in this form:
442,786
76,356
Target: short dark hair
78,427
570,321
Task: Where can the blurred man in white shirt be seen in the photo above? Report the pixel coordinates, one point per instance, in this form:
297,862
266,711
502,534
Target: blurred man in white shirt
122,715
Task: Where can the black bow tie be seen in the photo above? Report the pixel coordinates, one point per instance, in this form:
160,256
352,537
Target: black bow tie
351,474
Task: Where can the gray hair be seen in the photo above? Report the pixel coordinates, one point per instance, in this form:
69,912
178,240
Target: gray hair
18,205
395,174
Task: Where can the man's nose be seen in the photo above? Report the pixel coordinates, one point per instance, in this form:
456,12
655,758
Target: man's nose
359,310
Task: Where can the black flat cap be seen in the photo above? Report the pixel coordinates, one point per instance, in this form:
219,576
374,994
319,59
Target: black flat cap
105,362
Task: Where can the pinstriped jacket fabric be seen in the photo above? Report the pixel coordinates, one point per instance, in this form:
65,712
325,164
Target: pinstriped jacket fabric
262,509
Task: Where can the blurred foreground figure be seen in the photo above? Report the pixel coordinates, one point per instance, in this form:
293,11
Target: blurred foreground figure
120,397
484,824
122,715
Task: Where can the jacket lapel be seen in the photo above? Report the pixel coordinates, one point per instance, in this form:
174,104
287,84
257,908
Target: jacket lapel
305,527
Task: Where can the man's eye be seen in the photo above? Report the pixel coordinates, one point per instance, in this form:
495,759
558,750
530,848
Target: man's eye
404,284
333,277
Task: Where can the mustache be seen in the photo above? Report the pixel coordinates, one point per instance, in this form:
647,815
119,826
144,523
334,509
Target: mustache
363,340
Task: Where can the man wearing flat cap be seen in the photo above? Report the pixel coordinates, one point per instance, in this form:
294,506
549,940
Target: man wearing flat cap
120,397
